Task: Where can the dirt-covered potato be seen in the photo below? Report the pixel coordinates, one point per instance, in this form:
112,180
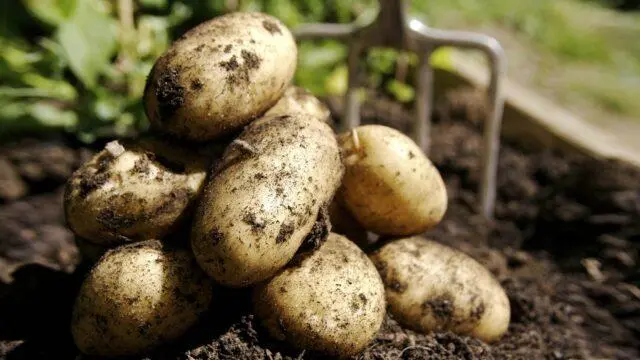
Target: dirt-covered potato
272,185
220,75
298,99
432,287
332,301
134,190
137,297
389,185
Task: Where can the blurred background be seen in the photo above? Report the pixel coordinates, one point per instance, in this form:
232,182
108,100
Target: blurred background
79,66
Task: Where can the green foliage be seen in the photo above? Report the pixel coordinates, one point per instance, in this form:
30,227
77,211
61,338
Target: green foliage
75,66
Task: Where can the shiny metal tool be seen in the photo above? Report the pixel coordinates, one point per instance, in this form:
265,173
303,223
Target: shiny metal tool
414,35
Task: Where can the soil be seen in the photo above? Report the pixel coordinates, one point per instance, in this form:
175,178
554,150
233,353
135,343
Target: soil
564,245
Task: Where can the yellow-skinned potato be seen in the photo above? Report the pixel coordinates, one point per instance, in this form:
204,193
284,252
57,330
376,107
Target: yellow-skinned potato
137,297
272,185
135,190
389,185
220,75
332,301
432,287
297,99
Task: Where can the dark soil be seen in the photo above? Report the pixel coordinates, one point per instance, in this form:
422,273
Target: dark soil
565,247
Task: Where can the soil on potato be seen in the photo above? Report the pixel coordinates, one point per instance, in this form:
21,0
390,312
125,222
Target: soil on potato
565,247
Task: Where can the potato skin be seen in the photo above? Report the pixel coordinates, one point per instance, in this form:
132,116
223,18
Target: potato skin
432,287
137,297
220,75
143,193
298,99
332,301
264,198
389,185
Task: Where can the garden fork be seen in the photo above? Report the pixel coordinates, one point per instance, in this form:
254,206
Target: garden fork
412,34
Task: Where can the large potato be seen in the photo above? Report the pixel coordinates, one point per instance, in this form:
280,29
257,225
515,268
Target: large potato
389,185
432,287
133,191
137,297
220,75
332,301
272,184
297,99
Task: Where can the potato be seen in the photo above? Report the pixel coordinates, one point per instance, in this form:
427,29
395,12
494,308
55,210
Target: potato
272,185
137,297
432,287
220,75
389,185
332,301
297,99
137,190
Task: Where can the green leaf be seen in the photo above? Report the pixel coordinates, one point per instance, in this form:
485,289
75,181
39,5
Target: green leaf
52,12
57,88
382,60
89,41
338,81
157,4
51,116
401,91
327,53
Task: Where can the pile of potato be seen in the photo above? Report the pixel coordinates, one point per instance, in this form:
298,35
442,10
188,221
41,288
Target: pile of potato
237,184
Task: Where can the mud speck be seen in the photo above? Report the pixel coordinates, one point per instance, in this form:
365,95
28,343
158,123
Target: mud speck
251,60
240,74
271,27
285,232
251,219
170,93
231,64
89,183
228,48
197,85
319,232
441,308
215,236
113,221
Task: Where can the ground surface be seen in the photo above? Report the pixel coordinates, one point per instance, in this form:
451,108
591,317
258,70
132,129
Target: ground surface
565,247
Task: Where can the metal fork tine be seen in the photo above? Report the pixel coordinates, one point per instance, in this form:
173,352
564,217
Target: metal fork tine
424,99
352,102
412,34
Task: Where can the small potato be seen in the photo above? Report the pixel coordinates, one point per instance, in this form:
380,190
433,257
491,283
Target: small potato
272,185
220,75
137,297
297,99
389,185
332,301
133,191
432,287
